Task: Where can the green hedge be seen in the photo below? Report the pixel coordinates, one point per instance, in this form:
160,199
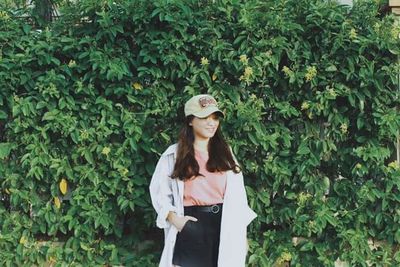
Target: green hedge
88,104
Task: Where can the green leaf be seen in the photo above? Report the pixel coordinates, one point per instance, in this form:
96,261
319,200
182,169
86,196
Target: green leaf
3,115
206,78
331,68
252,138
307,246
397,236
360,122
88,156
5,149
27,28
303,149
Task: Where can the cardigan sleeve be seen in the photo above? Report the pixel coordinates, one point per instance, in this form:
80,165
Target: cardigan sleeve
248,214
161,192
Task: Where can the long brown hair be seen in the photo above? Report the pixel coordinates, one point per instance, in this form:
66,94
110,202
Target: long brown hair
220,156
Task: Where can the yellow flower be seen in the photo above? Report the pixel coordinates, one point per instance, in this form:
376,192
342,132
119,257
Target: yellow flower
268,53
16,98
394,165
305,105
353,33
204,61
4,15
358,166
57,202
72,63
244,59
214,77
84,135
123,171
302,198
137,86
52,260
332,92
311,73
377,26
106,150
395,32
287,71
63,186
343,128
248,71
311,225
23,240
284,257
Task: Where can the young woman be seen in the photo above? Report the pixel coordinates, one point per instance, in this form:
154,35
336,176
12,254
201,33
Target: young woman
198,193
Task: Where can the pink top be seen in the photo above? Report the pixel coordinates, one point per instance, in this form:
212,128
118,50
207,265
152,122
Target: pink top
204,190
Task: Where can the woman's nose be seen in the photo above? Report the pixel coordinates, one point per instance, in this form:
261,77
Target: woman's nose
211,121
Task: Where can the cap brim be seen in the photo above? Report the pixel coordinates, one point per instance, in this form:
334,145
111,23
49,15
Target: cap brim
208,111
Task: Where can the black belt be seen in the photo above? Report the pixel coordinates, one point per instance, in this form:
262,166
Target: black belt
212,208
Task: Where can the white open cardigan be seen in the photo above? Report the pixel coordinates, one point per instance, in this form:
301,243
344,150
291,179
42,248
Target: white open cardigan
167,195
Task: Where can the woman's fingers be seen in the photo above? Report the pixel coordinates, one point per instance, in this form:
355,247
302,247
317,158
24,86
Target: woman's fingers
191,218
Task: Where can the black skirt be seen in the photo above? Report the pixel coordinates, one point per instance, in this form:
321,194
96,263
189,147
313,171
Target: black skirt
197,244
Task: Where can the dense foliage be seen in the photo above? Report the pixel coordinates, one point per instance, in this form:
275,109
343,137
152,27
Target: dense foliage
88,103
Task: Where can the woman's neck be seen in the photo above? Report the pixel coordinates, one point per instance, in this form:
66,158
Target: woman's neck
201,145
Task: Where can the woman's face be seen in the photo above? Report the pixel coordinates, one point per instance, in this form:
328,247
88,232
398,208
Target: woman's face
205,128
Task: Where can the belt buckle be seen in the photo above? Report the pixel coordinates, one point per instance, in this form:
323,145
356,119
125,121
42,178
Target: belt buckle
214,208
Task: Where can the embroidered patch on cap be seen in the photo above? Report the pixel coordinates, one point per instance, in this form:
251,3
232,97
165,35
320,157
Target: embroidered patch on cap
207,101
